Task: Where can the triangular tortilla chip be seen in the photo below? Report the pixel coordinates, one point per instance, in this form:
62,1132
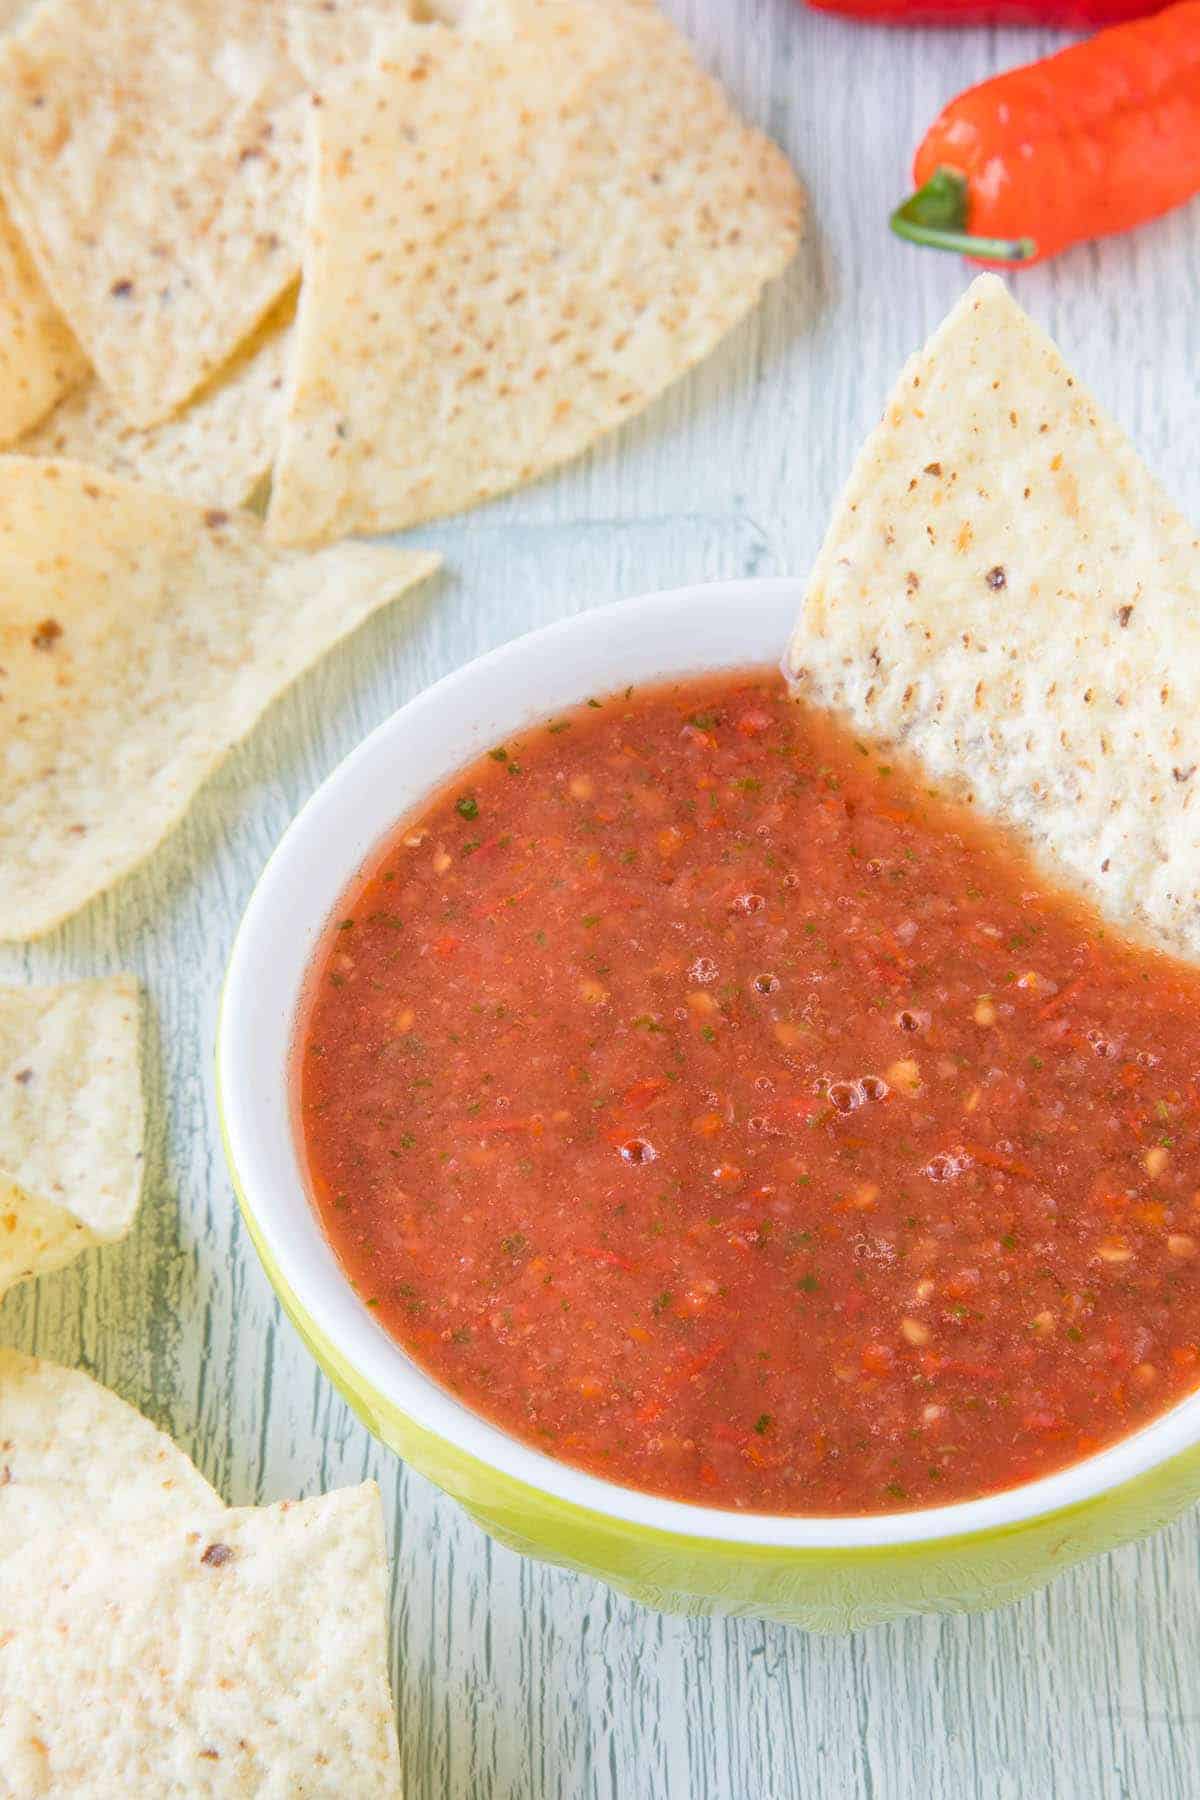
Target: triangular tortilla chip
518,235
237,1653
216,451
39,359
71,1121
140,638
72,1456
1006,593
151,154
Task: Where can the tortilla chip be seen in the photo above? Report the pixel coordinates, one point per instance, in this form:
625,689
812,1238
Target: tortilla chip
216,451
1006,593
140,638
152,156
71,1122
39,359
518,235
242,1653
72,1456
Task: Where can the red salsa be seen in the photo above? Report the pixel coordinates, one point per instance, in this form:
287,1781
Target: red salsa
705,1102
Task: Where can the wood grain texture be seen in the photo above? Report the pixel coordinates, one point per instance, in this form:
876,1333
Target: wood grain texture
516,1682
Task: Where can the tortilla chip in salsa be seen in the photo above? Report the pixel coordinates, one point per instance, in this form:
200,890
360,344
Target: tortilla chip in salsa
1006,593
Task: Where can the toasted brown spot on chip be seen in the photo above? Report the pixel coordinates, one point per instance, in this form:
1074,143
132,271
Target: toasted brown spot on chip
46,635
216,1556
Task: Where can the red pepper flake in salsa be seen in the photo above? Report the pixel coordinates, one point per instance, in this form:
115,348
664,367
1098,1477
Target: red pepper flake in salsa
718,1111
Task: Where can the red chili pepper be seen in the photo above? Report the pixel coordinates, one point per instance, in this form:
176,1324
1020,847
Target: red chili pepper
608,1259
643,1093
677,1377
1008,1165
1092,141
1078,14
1060,999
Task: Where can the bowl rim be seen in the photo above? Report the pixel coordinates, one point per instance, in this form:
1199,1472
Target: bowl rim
281,1214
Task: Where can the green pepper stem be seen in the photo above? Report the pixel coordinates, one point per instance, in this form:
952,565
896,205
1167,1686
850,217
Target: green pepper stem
936,216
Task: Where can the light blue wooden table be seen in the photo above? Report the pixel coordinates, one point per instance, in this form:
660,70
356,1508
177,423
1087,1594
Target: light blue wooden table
516,1682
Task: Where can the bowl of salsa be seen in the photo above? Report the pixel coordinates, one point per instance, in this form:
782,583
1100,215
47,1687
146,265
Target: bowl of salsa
719,1162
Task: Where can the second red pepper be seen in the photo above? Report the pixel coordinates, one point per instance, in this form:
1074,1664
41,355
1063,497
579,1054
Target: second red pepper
1080,15
1089,142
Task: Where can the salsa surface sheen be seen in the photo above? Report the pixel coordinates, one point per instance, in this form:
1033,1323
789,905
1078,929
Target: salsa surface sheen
706,1103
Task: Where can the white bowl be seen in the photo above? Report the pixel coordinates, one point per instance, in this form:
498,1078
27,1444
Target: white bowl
821,1571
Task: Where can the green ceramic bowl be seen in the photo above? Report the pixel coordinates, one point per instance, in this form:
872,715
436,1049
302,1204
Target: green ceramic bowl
826,1574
